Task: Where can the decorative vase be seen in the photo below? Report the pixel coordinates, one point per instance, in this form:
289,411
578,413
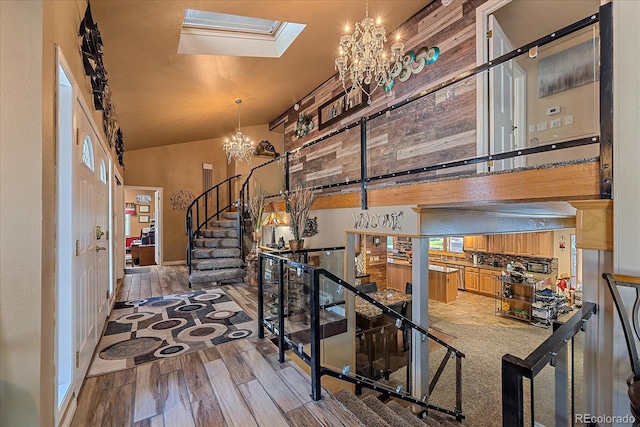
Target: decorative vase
296,245
251,260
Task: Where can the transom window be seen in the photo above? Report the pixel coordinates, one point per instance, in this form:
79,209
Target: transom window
87,153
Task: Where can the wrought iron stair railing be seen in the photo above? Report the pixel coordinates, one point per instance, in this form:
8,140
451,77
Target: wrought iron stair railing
205,208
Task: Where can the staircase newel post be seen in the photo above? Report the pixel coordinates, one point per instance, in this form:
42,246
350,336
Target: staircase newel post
206,209
316,391
218,202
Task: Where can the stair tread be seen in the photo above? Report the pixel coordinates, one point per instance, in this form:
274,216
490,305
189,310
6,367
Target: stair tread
224,223
409,417
359,409
224,252
215,242
204,276
216,263
384,412
218,232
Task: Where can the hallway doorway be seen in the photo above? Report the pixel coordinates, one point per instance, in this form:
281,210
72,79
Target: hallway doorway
142,226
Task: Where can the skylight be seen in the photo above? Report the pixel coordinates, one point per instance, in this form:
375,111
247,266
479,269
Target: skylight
226,22
212,33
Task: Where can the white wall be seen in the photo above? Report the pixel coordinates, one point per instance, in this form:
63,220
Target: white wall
564,257
21,143
626,158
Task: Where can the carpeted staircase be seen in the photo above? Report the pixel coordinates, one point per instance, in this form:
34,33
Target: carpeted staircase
216,256
371,412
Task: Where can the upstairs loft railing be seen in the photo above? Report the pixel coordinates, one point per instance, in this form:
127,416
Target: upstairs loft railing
206,207
325,321
554,372
434,133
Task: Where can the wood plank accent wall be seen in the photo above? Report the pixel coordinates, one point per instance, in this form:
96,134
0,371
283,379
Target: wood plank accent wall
437,128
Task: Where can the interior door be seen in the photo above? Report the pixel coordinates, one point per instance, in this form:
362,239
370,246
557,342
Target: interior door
501,98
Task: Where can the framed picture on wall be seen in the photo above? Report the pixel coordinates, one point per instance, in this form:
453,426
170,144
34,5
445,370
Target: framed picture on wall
143,198
144,208
340,106
143,218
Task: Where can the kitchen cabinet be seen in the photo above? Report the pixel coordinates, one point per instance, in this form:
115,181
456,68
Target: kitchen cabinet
509,244
443,283
472,279
495,245
475,243
487,282
398,275
538,244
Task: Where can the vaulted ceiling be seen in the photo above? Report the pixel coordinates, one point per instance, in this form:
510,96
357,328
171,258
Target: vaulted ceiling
163,97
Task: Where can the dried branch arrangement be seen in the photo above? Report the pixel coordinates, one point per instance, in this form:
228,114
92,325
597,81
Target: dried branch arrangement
298,205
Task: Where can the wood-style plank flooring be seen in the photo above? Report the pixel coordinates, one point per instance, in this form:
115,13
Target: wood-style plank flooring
239,383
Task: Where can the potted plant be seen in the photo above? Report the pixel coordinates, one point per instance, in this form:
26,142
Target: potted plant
298,204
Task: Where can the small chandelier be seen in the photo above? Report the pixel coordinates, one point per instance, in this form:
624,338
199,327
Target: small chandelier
239,147
363,59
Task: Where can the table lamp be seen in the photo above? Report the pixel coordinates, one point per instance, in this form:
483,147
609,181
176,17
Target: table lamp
274,221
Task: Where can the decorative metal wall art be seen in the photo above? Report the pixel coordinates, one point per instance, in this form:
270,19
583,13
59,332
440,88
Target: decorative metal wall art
311,227
390,220
265,148
181,199
91,48
412,63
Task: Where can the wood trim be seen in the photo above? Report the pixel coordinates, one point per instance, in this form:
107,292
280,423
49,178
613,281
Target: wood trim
572,182
594,224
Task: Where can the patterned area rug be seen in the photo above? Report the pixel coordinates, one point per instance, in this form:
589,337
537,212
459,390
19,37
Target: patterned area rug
150,329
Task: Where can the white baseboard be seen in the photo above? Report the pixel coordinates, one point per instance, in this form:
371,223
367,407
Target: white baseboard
183,262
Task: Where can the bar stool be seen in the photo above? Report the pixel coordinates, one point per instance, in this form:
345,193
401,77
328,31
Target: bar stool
631,329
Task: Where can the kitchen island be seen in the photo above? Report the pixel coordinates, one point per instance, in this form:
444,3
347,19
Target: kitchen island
443,281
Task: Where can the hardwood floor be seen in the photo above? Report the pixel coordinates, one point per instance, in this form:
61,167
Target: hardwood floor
239,383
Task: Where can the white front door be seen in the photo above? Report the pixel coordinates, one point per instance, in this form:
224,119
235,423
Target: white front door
501,98
102,236
91,261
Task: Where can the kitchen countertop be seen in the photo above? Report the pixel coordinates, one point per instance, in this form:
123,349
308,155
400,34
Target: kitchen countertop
386,296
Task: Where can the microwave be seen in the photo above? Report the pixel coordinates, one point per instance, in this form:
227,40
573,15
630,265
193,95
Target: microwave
539,267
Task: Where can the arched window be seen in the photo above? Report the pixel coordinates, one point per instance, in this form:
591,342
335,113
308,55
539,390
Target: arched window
87,153
103,171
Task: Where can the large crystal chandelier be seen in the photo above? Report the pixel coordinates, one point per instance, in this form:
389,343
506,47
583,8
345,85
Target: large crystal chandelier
363,61
239,147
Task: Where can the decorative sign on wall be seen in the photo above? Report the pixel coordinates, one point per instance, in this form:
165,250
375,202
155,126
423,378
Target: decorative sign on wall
412,63
389,220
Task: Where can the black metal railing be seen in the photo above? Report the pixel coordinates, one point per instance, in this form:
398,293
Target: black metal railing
565,379
244,197
206,207
305,305
366,175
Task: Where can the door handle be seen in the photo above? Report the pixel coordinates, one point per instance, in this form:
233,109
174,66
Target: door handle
99,232
100,248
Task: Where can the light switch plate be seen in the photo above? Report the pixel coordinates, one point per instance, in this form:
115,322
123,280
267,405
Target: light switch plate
532,128
556,123
568,120
542,126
